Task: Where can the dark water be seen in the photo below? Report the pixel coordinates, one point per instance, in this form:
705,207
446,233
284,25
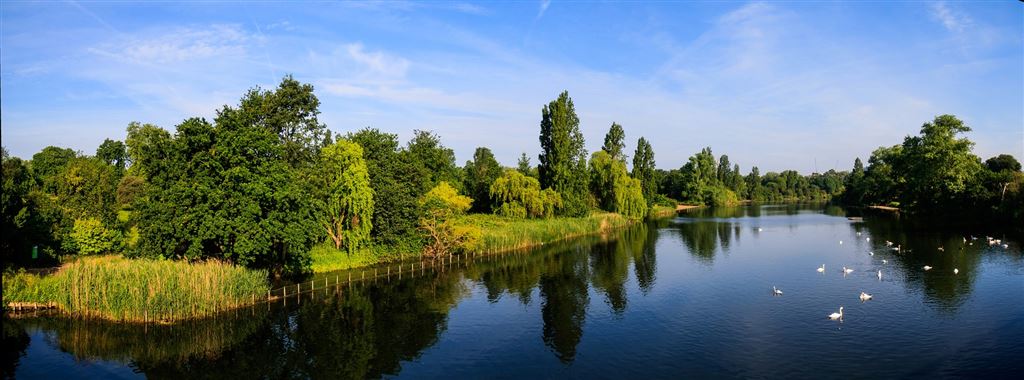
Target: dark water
685,297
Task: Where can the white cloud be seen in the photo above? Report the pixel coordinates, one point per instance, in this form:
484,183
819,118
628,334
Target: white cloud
953,21
181,44
544,4
378,62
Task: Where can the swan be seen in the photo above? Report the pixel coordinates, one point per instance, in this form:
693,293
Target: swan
776,291
956,271
888,243
926,267
1005,246
864,296
879,275
821,269
884,261
835,316
847,270
942,249
871,253
840,242
867,239
858,234
759,229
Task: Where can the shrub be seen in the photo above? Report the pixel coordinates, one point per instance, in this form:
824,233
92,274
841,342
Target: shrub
91,237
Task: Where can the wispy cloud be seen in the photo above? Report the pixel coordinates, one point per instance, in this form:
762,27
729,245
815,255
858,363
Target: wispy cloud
180,44
544,4
951,20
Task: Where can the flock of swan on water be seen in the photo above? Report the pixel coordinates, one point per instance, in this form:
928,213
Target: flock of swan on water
898,248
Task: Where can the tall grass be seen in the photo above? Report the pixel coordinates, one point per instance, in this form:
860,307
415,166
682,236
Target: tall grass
504,234
328,259
139,290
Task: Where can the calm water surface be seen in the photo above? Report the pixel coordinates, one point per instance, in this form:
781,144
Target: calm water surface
683,297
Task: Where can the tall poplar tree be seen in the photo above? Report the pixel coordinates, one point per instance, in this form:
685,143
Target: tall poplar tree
643,168
563,158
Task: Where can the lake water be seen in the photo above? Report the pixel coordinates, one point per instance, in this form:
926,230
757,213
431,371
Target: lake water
684,297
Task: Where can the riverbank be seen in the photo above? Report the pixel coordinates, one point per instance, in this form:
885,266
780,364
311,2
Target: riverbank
138,290
497,234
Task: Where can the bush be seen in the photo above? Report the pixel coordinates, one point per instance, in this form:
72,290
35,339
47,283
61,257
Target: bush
90,237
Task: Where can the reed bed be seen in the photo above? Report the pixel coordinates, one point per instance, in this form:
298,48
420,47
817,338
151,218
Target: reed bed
140,290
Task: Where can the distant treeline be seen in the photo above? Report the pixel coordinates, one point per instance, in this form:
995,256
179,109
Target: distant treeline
265,181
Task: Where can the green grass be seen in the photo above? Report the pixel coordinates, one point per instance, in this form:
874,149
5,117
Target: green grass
328,259
504,234
658,211
138,290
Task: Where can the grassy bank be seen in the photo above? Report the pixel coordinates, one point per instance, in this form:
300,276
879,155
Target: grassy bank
496,234
503,234
138,290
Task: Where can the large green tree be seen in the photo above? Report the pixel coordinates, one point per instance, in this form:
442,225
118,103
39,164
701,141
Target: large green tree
612,187
563,158
644,170
344,206
427,150
937,165
398,181
113,153
481,172
48,162
291,112
519,196
226,190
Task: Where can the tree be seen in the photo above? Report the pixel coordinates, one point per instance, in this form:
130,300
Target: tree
755,191
854,183
89,236
481,172
113,153
724,173
441,204
644,170
225,190
48,162
19,214
563,158
87,188
524,166
615,142
129,190
290,112
1002,162
614,190
427,150
398,182
519,196
345,202
938,167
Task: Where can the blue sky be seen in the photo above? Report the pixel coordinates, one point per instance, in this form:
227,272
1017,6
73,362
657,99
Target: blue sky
780,85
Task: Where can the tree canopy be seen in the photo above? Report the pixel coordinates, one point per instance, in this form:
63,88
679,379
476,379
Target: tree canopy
563,158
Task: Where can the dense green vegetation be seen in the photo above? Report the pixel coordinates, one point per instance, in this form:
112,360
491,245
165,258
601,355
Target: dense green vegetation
265,185
139,290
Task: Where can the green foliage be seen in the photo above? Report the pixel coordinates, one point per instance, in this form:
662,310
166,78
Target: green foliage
113,153
22,224
612,187
480,174
518,196
644,170
90,237
426,150
290,112
139,290
49,162
398,181
226,191
1001,163
563,159
938,167
523,166
86,188
147,147
344,201
129,190
441,204
615,142
498,233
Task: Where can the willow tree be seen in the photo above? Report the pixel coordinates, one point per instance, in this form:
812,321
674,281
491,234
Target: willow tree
563,159
519,196
346,204
613,188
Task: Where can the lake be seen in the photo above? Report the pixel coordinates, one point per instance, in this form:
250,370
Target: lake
689,296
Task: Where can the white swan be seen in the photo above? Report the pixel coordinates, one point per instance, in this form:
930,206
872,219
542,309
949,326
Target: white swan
835,316
926,267
821,269
776,291
884,261
759,229
956,271
847,270
871,253
879,275
867,239
840,242
864,296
